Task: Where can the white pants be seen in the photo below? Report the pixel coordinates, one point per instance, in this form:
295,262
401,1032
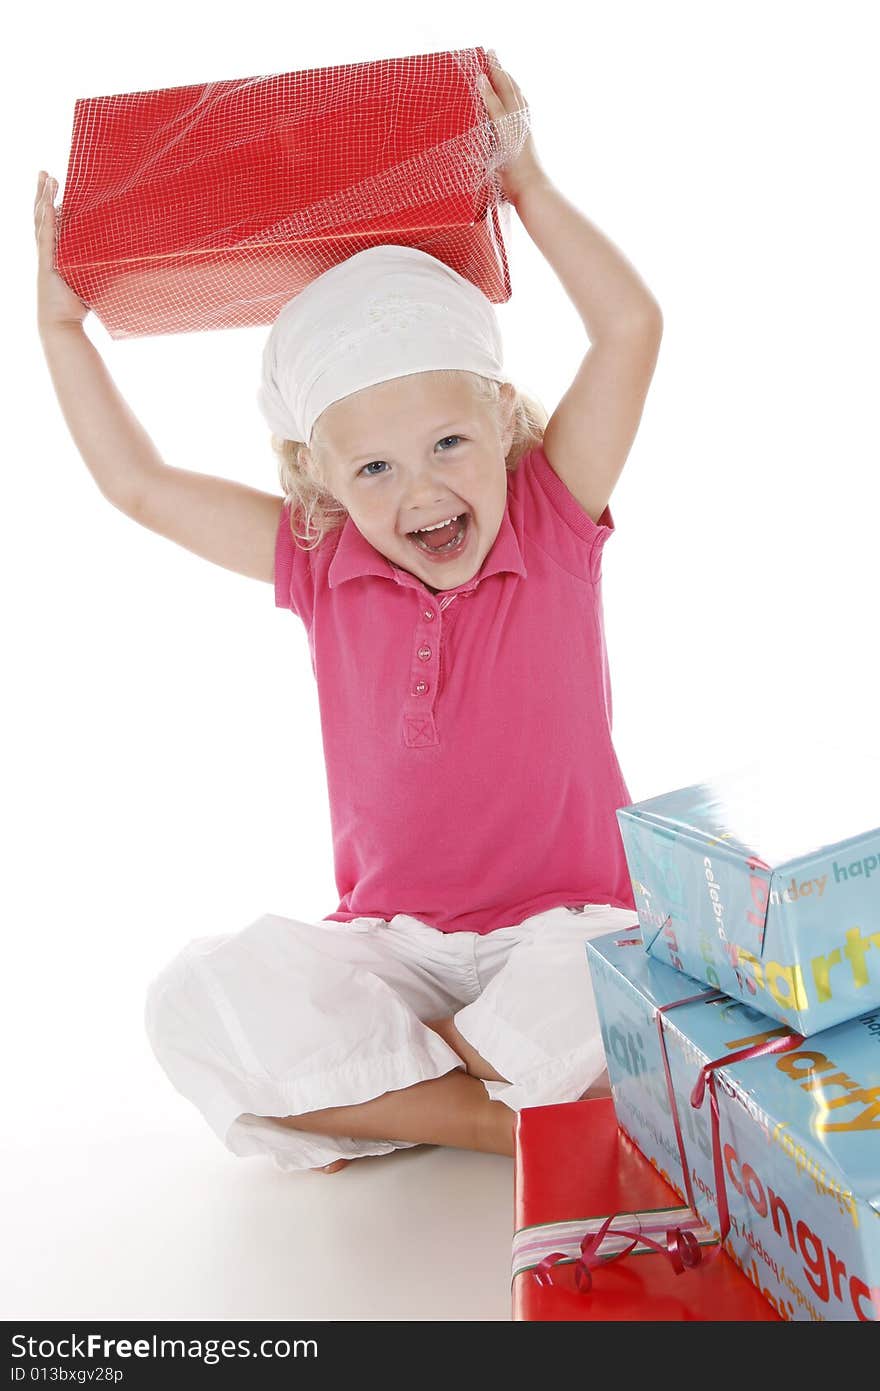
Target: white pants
286,1017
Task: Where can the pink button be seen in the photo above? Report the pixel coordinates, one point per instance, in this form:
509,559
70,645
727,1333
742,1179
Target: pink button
420,687
428,613
425,654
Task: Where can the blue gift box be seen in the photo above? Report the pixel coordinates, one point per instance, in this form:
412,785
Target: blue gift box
765,883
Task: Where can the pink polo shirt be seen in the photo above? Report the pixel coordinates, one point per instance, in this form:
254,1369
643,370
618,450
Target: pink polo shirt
467,734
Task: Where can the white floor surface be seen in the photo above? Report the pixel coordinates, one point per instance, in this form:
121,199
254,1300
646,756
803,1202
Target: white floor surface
169,1226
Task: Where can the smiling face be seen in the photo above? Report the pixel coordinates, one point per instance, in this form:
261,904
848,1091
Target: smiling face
414,451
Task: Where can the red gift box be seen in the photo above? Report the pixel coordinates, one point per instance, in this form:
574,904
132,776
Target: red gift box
211,206
574,1165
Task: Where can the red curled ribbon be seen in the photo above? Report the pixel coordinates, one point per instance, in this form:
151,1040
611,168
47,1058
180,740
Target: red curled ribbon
679,1245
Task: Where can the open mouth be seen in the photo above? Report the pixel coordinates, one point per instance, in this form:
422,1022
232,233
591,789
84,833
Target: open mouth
443,541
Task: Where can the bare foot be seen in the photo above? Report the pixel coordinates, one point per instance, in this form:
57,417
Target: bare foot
331,1168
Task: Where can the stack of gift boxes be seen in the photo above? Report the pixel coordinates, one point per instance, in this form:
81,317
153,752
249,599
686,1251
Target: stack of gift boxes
762,896
741,1025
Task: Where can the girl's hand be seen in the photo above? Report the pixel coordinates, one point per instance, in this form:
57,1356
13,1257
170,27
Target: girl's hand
56,302
503,97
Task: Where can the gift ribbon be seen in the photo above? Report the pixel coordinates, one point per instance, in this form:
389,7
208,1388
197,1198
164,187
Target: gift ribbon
705,995
681,1241
563,1240
706,1081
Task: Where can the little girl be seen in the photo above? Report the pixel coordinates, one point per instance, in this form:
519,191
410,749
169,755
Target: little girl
441,542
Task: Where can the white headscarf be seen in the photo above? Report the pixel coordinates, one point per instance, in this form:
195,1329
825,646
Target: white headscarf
386,312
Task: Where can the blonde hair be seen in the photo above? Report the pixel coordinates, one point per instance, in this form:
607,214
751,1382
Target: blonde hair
311,502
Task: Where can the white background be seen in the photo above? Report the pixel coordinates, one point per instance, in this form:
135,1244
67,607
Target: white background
163,774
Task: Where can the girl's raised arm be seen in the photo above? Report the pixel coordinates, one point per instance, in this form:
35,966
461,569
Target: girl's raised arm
225,522
589,435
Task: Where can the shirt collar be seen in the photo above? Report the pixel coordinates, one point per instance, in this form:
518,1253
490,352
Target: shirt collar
356,557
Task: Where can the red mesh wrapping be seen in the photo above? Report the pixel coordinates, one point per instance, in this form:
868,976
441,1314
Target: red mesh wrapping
210,206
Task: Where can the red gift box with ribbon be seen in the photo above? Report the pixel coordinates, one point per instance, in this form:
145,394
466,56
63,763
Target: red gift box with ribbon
574,1170
210,206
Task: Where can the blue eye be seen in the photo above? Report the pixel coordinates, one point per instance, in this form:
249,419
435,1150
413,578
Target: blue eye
382,461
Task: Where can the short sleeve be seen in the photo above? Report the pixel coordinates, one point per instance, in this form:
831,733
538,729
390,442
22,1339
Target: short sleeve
294,574
557,521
